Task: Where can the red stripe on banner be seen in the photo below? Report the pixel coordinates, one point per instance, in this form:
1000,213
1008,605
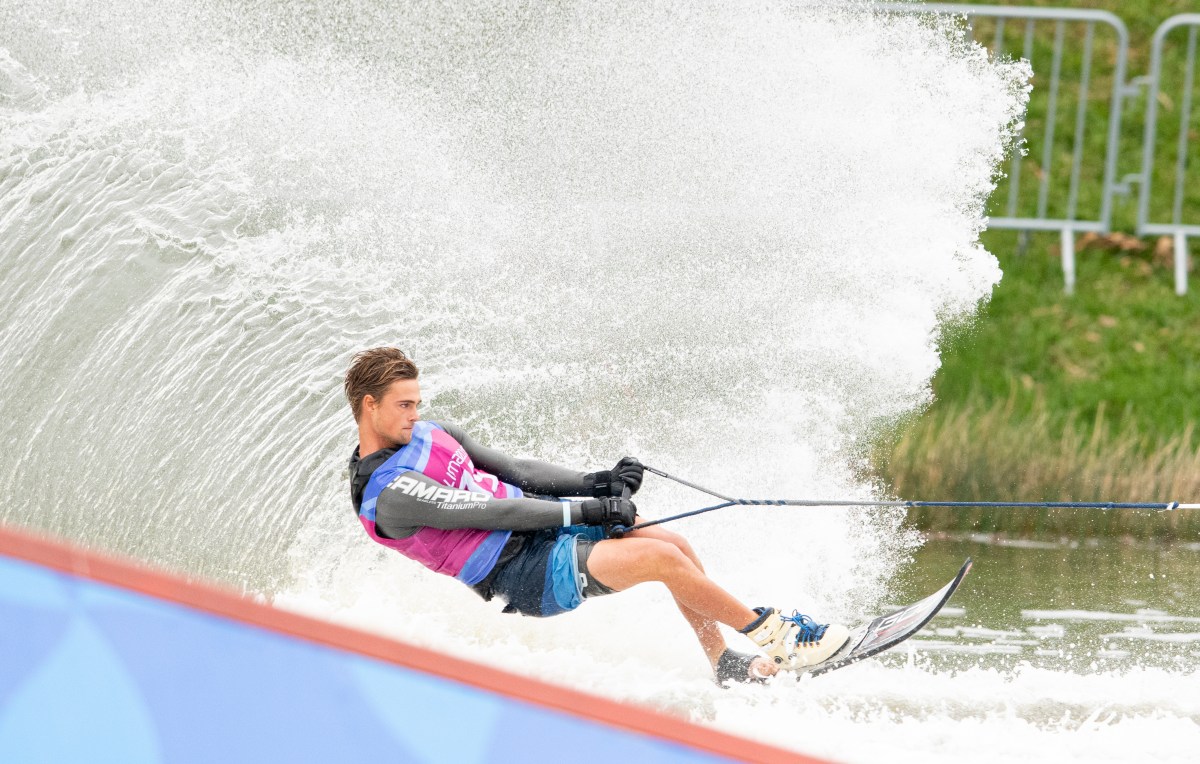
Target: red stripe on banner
138,577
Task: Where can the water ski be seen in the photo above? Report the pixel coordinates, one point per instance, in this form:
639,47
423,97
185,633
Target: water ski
887,631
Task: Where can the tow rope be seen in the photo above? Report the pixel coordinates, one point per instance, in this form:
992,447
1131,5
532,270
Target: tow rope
729,501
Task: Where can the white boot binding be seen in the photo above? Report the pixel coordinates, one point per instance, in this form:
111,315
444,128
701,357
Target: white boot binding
795,641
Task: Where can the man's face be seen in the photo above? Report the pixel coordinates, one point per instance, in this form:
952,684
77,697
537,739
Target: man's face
392,417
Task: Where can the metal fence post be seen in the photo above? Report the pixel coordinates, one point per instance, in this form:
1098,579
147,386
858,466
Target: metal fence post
1178,228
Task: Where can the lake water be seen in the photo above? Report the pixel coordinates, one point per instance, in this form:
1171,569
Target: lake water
1048,652
1091,606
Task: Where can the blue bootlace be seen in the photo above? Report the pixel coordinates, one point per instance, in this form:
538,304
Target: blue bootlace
810,630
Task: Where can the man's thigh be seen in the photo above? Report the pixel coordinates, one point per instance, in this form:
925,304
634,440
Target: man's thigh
625,562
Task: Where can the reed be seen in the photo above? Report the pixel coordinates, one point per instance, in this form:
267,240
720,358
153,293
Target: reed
979,451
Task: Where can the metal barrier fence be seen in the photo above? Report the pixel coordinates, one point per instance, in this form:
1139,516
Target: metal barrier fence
1178,226
1055,186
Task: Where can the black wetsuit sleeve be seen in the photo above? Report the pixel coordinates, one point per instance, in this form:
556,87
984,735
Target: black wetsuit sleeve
414,501
530,475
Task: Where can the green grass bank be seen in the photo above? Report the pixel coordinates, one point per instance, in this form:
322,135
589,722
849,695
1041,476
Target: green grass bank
1049,397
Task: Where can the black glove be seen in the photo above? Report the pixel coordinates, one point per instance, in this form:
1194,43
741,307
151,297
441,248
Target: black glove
627,474
608,512
629,471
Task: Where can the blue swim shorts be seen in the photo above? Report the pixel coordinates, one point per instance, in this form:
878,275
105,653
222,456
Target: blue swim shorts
549,574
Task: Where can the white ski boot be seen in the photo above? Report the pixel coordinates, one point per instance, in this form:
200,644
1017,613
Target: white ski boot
795,642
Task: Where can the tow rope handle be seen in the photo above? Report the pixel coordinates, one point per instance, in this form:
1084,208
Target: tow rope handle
618,530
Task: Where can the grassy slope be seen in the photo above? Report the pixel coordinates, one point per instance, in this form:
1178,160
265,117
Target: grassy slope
1124,344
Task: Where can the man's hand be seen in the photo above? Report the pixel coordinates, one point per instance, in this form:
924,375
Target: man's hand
627,474
613,510
629,471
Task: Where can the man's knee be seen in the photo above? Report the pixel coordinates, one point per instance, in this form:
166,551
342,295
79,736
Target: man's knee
681,544
666,559
674,539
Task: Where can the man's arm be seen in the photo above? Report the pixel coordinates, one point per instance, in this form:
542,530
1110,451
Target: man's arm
414,500
529,475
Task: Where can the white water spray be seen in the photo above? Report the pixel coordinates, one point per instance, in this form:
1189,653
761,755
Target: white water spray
721,238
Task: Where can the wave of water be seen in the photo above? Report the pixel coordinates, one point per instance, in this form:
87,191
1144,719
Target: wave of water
723,237
698,233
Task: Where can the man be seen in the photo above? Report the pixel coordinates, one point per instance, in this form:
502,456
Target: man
432,493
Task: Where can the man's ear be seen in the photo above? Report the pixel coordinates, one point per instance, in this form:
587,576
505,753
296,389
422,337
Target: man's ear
369,401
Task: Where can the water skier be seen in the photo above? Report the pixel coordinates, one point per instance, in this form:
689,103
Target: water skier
498,524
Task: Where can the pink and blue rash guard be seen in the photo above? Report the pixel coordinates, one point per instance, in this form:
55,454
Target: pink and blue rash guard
432,502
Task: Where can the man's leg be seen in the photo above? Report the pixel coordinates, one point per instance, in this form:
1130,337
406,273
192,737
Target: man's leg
656,554
706,629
